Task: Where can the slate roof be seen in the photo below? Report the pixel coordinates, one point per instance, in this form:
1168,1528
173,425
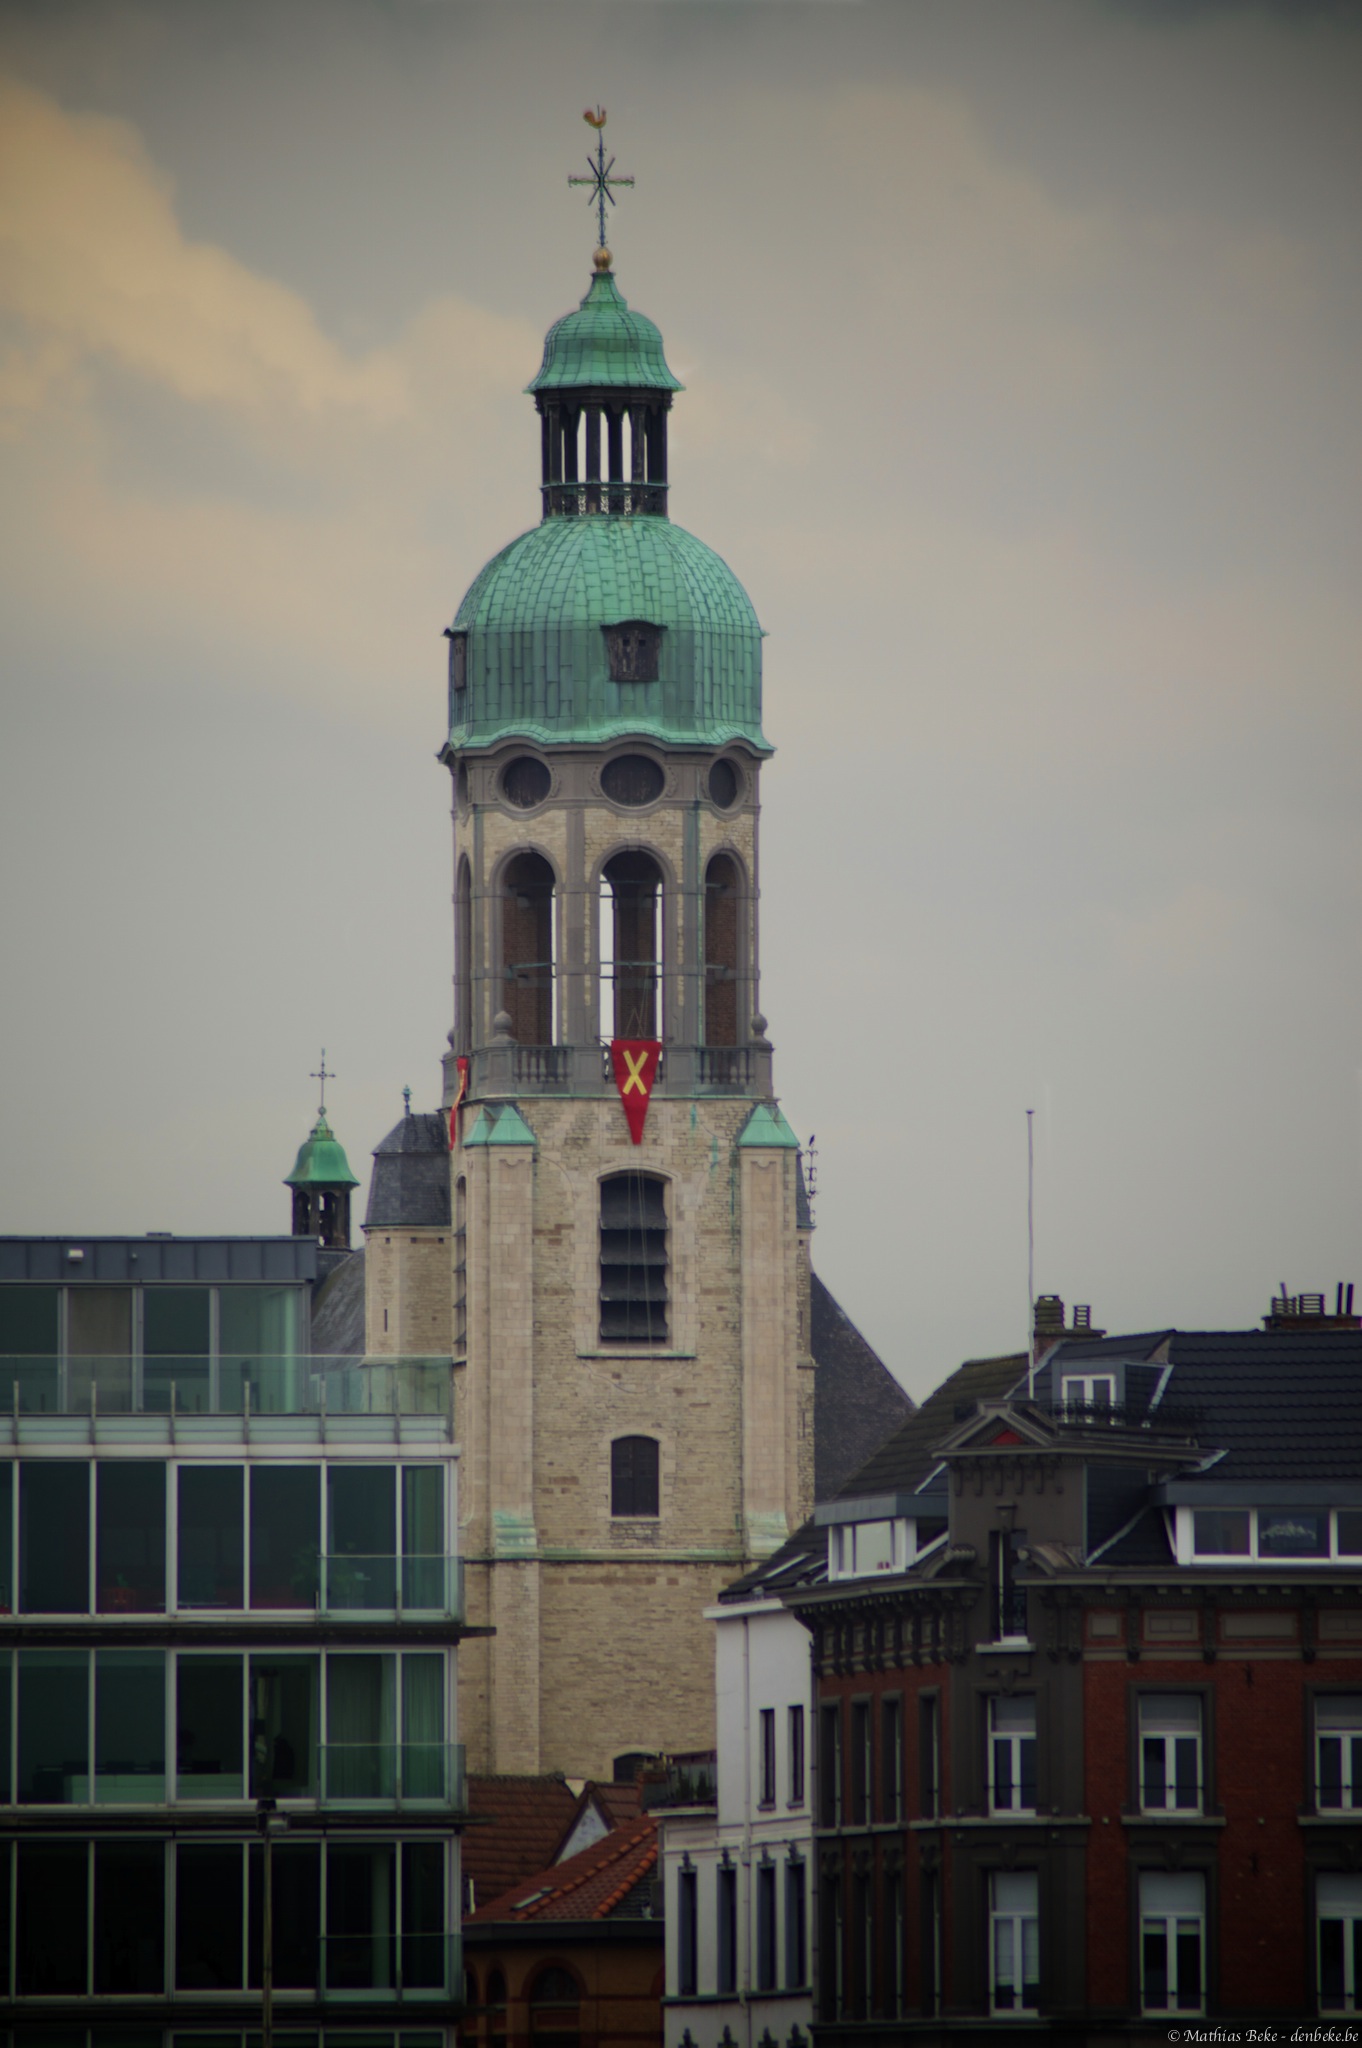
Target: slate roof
528,1818
857,1401
899,1464
338,1311
906,1458
410,1183
1284,1406
608,1881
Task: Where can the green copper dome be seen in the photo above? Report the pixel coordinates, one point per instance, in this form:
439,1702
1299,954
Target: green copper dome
603,344
536,663
321,1161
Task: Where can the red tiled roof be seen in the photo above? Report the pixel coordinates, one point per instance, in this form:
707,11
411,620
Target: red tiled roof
589,1886
520,1822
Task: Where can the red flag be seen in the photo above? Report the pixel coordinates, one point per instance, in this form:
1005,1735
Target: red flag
635,1065
461,1064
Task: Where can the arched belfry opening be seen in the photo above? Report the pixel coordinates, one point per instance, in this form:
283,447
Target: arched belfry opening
631,946
527,948
723,896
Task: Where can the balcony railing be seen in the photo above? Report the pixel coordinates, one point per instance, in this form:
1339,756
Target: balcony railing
507,1068
393,1774
580,500
391,1965
382,1584
682,1781
177,1388
725,1067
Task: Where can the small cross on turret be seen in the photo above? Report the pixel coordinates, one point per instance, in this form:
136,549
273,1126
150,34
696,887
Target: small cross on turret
322,1074
600,180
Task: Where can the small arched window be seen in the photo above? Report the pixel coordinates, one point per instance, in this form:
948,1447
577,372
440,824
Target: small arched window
722,896
633,1476
555,2008
527,948
463,959
633,1259
631,946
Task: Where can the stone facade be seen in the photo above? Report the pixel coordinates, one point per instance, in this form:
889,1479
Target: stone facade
600,1646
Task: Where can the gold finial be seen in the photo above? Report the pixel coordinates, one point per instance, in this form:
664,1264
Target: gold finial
601,258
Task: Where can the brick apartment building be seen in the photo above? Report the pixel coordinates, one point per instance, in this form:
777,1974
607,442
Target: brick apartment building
1088,1672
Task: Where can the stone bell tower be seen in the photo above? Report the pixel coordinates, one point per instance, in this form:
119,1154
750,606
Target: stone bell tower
634,1394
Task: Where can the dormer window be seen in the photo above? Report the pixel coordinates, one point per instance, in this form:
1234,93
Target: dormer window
1086,1394
1276,1535
458,661
858,1550
632,648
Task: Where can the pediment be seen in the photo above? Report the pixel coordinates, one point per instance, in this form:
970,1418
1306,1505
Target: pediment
998,1426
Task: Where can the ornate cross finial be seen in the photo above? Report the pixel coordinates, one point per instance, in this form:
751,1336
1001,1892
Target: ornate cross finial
322,1074
600,180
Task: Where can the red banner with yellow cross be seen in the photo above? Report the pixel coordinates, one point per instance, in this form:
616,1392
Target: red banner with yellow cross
634,1061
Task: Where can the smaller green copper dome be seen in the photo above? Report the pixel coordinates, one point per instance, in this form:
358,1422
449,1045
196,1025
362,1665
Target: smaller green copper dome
321,1161
604,344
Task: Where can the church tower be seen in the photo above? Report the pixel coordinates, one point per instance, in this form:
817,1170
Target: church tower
634,1394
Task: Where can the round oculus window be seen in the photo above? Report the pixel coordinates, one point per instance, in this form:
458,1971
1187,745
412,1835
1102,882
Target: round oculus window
723,785
525,782
632,779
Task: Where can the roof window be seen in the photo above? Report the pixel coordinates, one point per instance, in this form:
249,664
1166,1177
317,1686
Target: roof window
1276,1535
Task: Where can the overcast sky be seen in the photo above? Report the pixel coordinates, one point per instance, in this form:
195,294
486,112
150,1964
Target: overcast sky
1023,354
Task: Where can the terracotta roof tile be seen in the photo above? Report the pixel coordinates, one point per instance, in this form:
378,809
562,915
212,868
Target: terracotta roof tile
518,1824
592,1885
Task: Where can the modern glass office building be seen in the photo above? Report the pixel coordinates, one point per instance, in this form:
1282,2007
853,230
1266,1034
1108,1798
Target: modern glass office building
230,1606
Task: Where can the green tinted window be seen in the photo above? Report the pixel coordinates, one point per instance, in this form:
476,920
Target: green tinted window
130,1726
54,1537
175,1344
285,1530
211,1536
130,1536
28,1321
208,1728
54,1727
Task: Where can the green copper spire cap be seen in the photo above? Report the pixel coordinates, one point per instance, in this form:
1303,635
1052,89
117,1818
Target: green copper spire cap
321,1161
766,1126
510,1128
603,343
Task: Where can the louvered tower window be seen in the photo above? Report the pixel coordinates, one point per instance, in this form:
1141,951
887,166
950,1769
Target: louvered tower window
633,1259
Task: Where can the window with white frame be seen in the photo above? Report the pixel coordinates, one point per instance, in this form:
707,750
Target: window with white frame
858,1550
1012,1755
1170,1753
1284,1535
796,1730
1014,1942
1172,1941
1338,1914
768,1756
1084,1392
1338,1751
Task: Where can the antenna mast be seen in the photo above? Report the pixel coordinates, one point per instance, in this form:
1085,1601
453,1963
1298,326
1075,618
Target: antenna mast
1030,1256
